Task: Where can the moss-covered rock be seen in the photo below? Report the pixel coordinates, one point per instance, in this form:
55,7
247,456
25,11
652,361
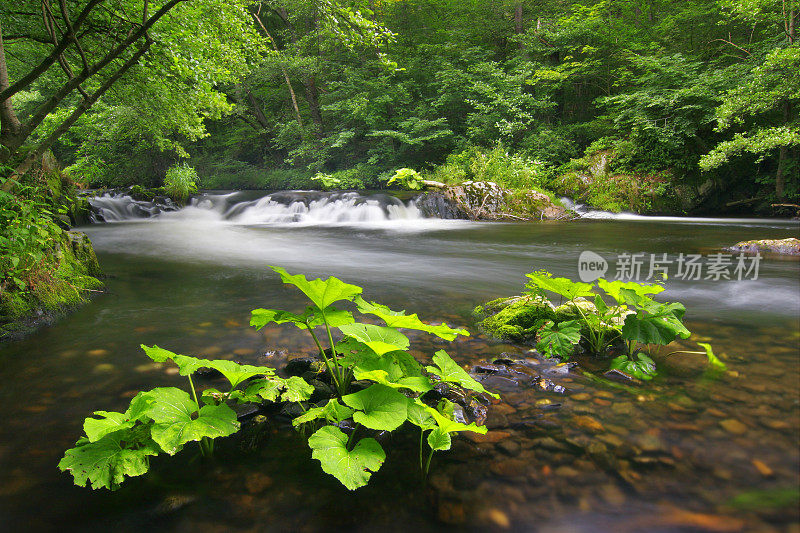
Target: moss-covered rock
515,319
486,200
58,284
789,246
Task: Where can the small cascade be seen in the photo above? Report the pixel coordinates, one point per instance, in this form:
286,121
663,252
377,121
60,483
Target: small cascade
118,207
309,208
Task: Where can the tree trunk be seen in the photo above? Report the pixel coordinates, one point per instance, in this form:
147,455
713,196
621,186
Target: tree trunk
10,126
519,27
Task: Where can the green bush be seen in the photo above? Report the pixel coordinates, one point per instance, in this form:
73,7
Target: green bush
512,171
181,181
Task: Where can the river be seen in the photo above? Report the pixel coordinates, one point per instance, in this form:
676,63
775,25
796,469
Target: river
687,452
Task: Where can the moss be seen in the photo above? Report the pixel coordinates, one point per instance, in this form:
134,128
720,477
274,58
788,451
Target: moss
53,288
515,319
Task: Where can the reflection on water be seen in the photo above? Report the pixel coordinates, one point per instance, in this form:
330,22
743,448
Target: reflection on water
674,457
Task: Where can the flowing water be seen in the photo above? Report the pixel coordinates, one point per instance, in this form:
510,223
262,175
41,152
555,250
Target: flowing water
687,452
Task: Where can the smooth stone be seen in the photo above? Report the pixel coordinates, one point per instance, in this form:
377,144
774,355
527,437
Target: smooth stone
98,353
509,447
499,518
256,482
589,423
509,467
491,437
685,365
104,368
581,397
733,426
762,468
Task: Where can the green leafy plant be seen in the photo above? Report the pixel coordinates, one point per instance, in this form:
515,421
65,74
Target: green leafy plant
163,420
181,181
407,178
392,383
584,318
378,384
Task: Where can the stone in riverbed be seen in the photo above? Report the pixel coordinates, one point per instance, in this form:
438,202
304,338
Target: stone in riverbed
789,246
732,425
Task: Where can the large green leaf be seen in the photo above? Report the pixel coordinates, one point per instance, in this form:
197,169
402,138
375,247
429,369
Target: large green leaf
656,324
321,292
559,339
419,384
448,370
186,365
544,281
398,319
332,412
439,440
380,339
352,468
109,422
296,390
172,411
641,366
419,416
378,407
613,288
311,317
236,373
451,426
106,462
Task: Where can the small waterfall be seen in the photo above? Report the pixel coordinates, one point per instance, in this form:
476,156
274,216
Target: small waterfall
310,208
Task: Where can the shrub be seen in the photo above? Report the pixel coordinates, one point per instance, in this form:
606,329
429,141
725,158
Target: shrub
180,182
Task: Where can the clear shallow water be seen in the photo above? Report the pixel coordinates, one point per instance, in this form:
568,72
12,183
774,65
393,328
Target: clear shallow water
188,280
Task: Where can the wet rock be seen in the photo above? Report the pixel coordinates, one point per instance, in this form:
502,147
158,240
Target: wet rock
621,377
581,397
451,512
208,373
549,443
477,412
733,426
299,366
685,365
256,482
172,503
589,423
566,471
762,468
509,468
498,518
509,447
789,246
104,368
491,437
98,353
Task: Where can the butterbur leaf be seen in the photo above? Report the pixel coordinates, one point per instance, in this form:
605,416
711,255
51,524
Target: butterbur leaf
419,384
451,426
332,412
544,281
419,416
378,407
713,360
172,411
448,370
106,462
110,422
352,468
439,440
380,339
398,319
186,365
614,288
297,390
267,389
660,325
559,339
311,317
321,292
641,366
236,373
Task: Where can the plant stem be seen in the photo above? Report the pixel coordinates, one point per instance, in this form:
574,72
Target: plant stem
328,363
428,464
206,447
352,437
343,386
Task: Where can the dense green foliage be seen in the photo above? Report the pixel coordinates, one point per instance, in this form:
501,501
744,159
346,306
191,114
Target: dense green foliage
392,390
685,101
583,321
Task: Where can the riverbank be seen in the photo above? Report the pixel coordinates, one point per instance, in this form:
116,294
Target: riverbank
48,269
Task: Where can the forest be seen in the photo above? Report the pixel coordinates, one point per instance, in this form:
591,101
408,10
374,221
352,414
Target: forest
348,265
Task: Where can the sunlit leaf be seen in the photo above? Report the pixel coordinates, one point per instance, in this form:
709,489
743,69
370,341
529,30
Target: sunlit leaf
352,468
380,339
321,292
378,407
398,319
449,371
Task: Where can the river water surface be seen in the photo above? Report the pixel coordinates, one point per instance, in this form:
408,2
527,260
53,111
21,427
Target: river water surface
686,452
